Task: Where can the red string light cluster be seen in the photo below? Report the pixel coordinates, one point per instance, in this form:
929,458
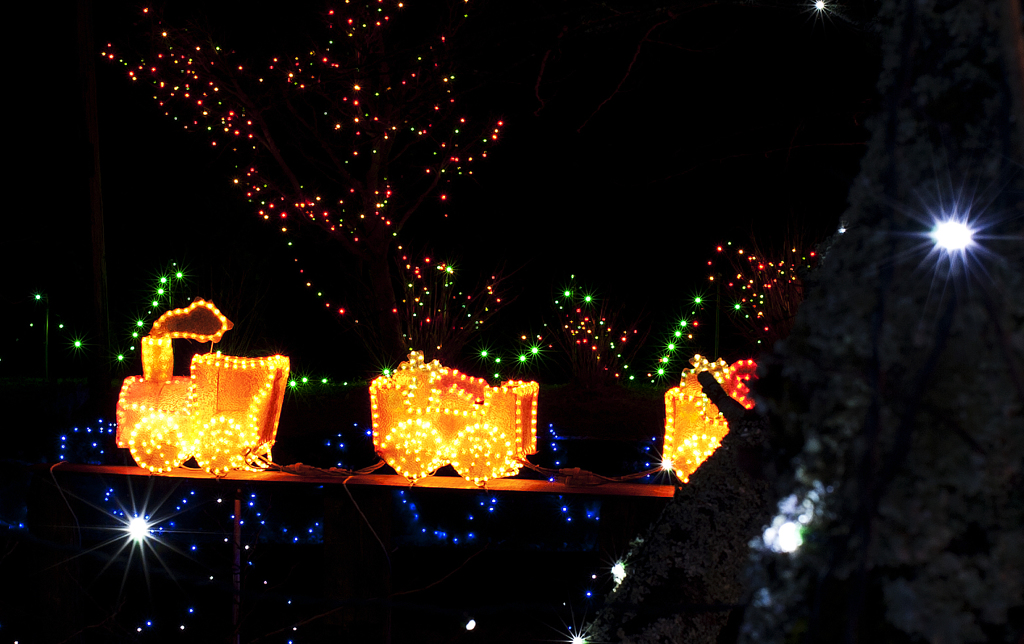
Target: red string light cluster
763,291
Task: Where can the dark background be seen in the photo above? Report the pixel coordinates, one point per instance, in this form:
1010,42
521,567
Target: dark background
734,120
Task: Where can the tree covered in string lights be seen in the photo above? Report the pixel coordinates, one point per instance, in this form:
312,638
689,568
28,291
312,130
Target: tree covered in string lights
346,139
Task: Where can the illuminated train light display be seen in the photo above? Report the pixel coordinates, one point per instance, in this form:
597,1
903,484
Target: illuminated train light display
225,414
426,416
694,427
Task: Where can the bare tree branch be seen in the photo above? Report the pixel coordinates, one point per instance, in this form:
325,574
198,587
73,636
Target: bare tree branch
629,70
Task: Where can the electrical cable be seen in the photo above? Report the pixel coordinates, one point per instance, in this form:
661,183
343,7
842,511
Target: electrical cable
384,548
570,476
78,527
301,469
578,477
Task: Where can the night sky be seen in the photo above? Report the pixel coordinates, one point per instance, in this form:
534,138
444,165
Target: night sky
733,120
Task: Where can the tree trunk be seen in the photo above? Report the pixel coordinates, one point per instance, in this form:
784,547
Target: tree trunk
896,403
899,394
686,579
386,338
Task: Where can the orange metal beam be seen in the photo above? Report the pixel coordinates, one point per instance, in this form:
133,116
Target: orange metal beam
387,480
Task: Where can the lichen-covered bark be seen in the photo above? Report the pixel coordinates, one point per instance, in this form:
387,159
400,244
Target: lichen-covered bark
900,389
686,576
897,421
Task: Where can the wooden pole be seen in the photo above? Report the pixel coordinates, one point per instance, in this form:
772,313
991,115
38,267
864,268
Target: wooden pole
100,376
46,343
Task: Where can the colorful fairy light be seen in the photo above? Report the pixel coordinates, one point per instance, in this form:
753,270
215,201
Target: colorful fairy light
955,239
952,235
170,285
426,416
675,339
225,414
765,291
618,572
436,312
819,10
137,529
694,427
784,536
600,344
